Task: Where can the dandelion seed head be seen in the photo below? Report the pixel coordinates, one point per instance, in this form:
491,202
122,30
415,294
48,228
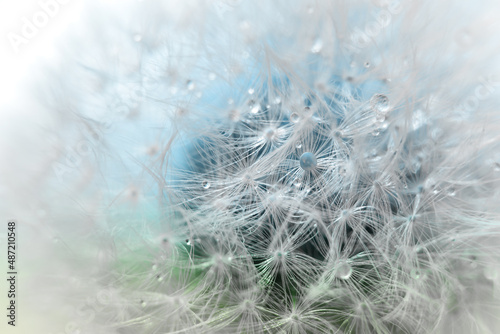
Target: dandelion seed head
304,177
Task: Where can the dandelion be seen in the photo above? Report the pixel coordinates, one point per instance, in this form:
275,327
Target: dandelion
293,182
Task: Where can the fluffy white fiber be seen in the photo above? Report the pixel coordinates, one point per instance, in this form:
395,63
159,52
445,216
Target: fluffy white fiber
269,167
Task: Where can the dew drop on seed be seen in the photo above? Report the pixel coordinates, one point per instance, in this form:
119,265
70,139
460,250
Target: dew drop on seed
383,125
277,100
188,242
205,184
308,161
154,267
190,85
297,183
212,76
269,134
298,145
255,109
143,303
343,271
415,273
380,118
380,103
317,46
294,117
367,64
376,132
490,273
251,91
452,192
338,134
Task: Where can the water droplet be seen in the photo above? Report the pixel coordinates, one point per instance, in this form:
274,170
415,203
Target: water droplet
338,134
308,161
154,267
277,100
490,273
255,109
380,104
137,37
415,273
143,303
297,182
367,64
380,118
294,117
205,184
382,125
159,278
315,225
299,144
190,85
212,76
188,242
419,250
376,132
269,134
251,91
317,46
452,191
343,271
